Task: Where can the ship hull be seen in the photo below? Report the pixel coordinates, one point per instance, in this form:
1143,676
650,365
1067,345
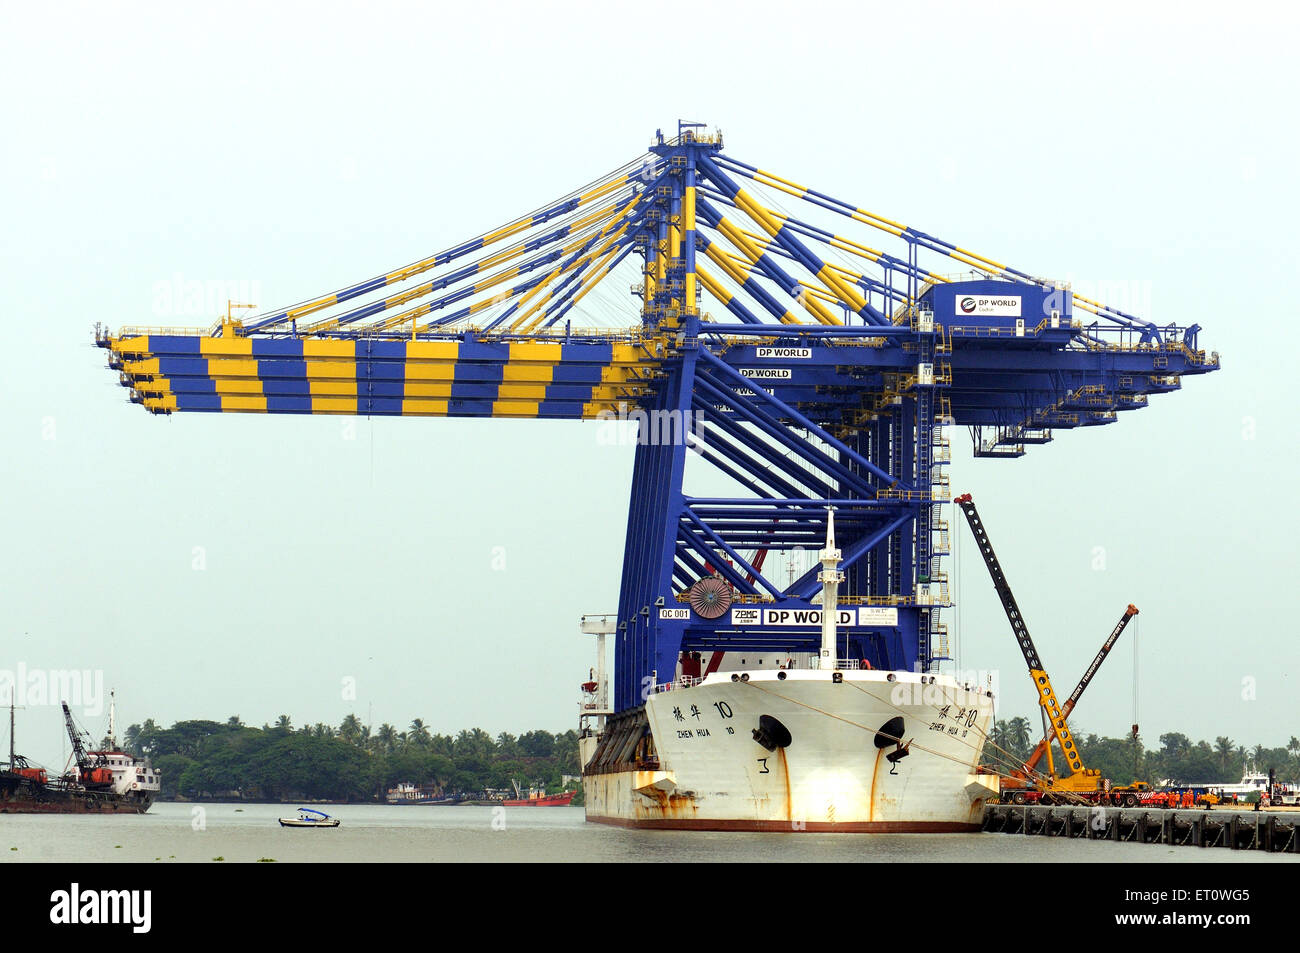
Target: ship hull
828,758
74,803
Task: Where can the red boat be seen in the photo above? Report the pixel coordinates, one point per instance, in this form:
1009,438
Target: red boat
543,800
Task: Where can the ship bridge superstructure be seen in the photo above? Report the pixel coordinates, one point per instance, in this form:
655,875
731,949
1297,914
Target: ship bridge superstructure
811,355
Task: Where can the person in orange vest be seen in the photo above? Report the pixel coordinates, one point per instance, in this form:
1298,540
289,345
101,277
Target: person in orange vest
1187,798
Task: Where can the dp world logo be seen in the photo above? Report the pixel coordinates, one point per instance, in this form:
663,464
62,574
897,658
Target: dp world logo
967,305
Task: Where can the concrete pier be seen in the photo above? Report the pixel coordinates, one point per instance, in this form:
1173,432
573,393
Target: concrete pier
1235,830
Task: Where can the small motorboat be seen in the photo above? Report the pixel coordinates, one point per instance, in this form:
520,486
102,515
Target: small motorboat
309,818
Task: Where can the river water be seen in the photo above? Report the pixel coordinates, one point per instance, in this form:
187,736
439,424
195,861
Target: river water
240,833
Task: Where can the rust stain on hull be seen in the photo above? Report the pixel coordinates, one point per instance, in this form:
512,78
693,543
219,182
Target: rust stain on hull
875,772
785,769
666,807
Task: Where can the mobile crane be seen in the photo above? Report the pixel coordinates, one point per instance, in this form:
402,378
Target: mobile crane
1083,782
91,772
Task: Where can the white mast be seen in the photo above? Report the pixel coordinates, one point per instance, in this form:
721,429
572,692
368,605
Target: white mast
112,720
600,626
830,577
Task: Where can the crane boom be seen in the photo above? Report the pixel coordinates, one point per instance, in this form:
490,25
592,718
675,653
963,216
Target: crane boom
1068,707
78,749
1046,695
1109,644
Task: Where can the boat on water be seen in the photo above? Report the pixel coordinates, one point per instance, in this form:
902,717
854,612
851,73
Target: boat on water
407,793
776,741
98,780
542,799
309,817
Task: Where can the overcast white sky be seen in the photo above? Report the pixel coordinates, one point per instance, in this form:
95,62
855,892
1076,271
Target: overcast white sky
295,149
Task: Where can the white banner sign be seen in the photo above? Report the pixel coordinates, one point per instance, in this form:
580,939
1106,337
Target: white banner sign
877,615
1005,306
807,617
786,353
767,373
745,616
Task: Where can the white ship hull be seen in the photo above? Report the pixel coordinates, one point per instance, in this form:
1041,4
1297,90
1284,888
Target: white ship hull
706,771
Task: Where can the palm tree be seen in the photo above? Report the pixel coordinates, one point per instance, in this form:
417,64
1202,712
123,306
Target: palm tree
284,723
350,730
387,738
1224,747
234,722
419,734
1018,737
1257,756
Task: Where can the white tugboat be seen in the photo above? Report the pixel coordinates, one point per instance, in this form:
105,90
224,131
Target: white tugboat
795,743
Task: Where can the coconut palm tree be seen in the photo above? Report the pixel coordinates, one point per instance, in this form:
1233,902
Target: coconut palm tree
1223,747
350,730
1018,737
418,736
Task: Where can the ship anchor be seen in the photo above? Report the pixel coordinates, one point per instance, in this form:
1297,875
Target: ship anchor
891,733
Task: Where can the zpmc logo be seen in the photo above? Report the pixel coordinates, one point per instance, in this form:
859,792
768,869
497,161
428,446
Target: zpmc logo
967,305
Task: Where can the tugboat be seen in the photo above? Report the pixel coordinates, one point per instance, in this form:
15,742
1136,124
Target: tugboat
107,781
307,817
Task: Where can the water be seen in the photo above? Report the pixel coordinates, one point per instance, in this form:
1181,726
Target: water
240,833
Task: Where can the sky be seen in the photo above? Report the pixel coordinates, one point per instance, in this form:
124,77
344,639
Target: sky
217,565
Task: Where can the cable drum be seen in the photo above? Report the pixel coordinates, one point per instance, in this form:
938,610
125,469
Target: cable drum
710,598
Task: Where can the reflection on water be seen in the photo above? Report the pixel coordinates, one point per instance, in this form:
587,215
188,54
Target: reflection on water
172,833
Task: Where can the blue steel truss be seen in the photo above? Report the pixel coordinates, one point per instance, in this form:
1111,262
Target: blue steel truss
798,365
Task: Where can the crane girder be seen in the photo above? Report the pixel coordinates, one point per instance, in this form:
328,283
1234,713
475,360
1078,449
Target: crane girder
820,355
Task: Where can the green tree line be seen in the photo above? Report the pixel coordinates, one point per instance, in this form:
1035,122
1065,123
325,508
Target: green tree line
230,760
1127,759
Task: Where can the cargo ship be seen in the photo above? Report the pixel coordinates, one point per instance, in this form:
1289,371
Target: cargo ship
103,781
788,742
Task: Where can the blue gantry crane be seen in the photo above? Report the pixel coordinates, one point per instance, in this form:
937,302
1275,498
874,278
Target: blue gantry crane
775,346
